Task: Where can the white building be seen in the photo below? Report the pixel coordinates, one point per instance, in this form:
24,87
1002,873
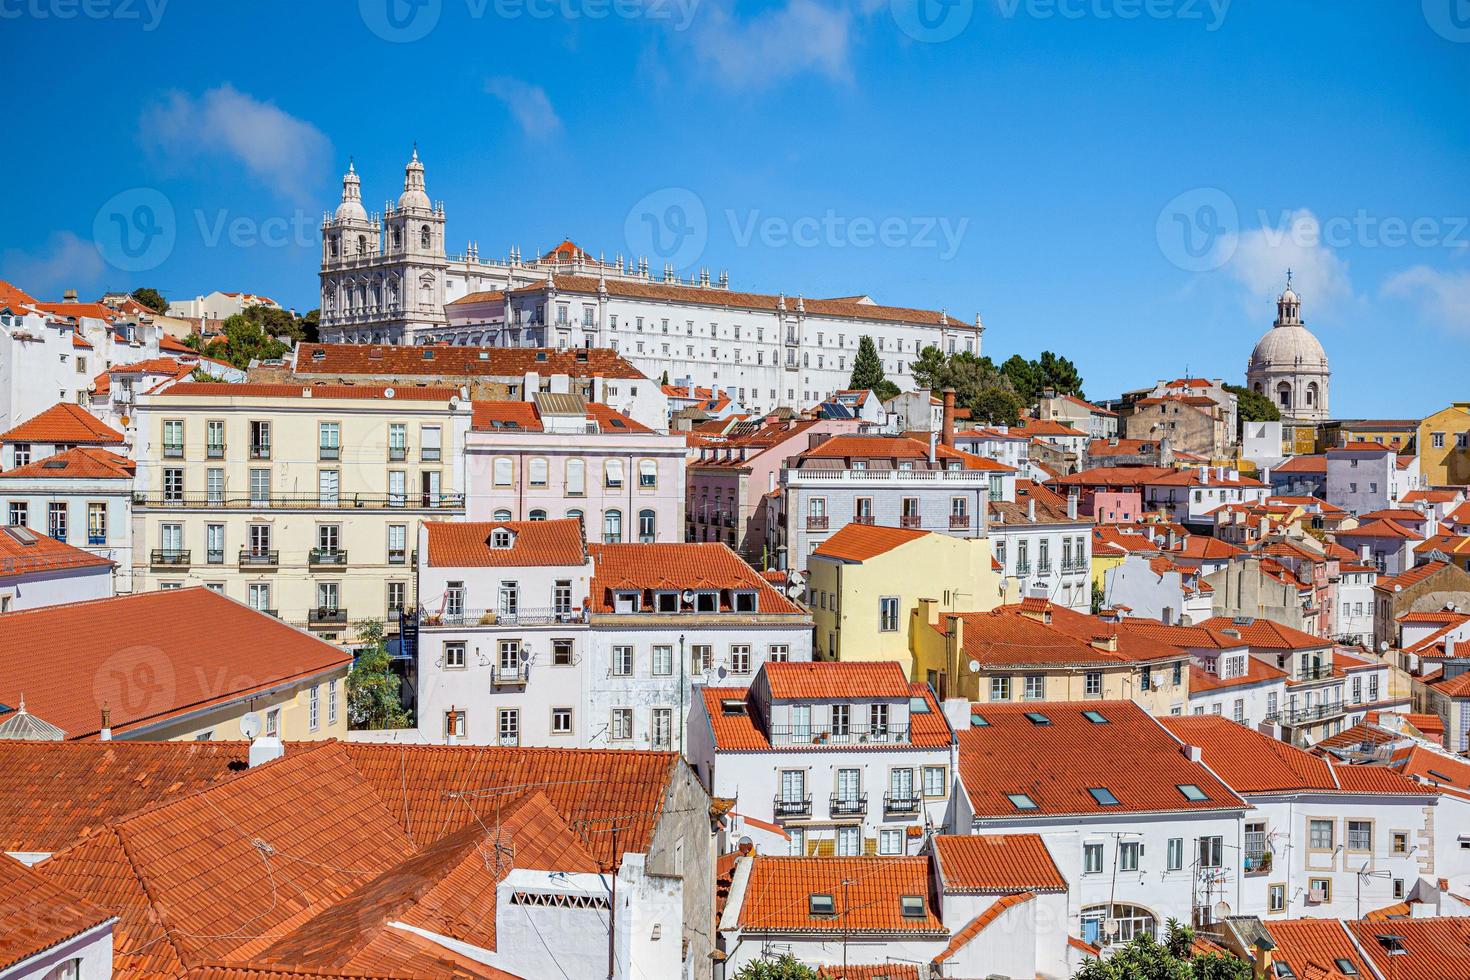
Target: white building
51,934
1155,587
1140,828
82,497
1045,547
388,279
839,758
528,636
1190,496
36,571
1289,365
1321,840
1355,606
218,305
560,456
1363,477
61,427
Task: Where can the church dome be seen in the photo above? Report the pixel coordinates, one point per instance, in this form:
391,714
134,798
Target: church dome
1288,347
351,208
414,195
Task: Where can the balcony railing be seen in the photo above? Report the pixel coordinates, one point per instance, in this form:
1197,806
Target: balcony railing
518,674
397,454
523,616
429,454
326,616
902,803
169,556
215,450
862,519
96,540
262,451
784,806
803,477
816,522
173,451
326,556
508,740
1043,568
1076,565
1318,712
848,806
329,452
215,501
850,735
1023,567
959,522
910,520
252,558
214,556
397,556
1320,672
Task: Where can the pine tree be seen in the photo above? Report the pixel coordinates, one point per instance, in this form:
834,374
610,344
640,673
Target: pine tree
867,369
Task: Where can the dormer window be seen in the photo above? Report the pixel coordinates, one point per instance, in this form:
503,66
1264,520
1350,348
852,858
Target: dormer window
912,906
706,602
626,602
667,602
745,602
500,538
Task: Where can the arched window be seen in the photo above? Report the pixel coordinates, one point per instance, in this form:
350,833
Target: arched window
1311,394
537,472
647,474
576,479
334,246
612,526
361,244
538,514
502,515
424,236
1258,388
1132,921
504,471
574,512
1283,395
645,526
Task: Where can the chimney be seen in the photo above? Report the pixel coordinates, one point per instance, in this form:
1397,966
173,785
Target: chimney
69,296
1072,506
933,441
1107,643
1193,753
106,734
1173,540
1031,510
929,611
949,417
265,748
1204,474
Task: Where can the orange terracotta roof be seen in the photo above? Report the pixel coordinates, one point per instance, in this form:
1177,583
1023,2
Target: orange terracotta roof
822,680
859,542
740,731
678,566
205,389
178,641
375,360
1430,496
1019,635
1267,634
1430,948
80,463
12,296
73,311
64,423
1379,529
991,863
492,416
1434,768
1256,672
870,971
55,793
1312,947
1055,764
1360,446
1410,577
27,552
38,915
779,889
846,446
1315,463
465,544
1114,476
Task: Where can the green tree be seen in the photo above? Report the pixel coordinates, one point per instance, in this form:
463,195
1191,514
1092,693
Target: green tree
246,340
1252,406
1147,959
1097,597
309,326
203,375
996,405
1060,373
787,967
151,298
867,367
372,687
931,371
1024,376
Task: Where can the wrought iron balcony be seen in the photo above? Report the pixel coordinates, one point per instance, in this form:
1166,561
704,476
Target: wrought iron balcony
1318,712
344,501
959,522
169,556
329,452
816,522
259,558
215,450
910,520
173,450
524,616
862,519
847,735
327,556
327,616
904,803
503,675
260,451
397,556
397,454
214,556
784,806
848,806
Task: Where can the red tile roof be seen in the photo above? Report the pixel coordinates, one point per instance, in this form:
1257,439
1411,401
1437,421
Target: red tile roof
466,544
1256,672
847,446
859,542
741,732
12,296
1055,764
38,915
1303,464
822,680
870,971
72,311
64,423
1022,635
1410,577
373,360
1432,948
55,793
779,888
1267,634
80,463
490,416
149,657
27,552
1311,947
678,566
206,389
996,863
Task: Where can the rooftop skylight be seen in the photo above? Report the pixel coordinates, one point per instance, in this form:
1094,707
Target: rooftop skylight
1103,796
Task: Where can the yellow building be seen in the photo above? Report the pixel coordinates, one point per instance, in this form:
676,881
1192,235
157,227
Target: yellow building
298,500
864,582
1036,650
1397,434
1444,447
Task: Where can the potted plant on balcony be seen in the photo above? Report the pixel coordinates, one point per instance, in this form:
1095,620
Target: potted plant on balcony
487,619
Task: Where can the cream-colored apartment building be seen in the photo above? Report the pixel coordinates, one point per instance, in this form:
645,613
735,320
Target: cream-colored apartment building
301,500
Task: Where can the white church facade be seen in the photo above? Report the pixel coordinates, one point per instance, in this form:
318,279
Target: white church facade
386,278
1289,365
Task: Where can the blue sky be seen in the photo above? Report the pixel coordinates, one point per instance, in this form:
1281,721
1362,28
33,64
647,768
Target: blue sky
1122,181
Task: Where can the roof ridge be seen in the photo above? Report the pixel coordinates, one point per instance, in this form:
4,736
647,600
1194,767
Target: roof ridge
154,911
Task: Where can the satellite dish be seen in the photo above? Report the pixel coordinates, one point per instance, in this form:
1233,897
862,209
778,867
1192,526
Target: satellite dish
1382,646
1449,606
688,595
1221,910
796,591
388,392
1110,926
974,666
722,672
250,725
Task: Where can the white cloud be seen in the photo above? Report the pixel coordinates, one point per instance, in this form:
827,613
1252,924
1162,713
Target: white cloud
799,37
529,105
1291,241
1441,297
281,151
66,262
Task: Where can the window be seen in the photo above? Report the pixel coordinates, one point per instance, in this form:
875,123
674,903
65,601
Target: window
663,660
454,655
1319,835
1103,796
561,721
1128,852
214,544
454,726
503,471
576,478
173,438
740,658
509,726
96,524
622,724
173,484
1276,898
1192,793
622,661
890,842
56,522
1021,801
1092,859
537,472
314,707
1320,889
273,722
328,483
612,474
646,522
701,656
849,841
429,444
778,653
612,527
19,514
1000,688
1092,684
258,597
1400,842
841,719
1174,857
647,474
888,614
397,488
1211,851
821,906
663,728
260,440
1360,835
329,440
1035,687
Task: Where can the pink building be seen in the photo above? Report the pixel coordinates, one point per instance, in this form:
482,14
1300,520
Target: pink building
1110,494
561,456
